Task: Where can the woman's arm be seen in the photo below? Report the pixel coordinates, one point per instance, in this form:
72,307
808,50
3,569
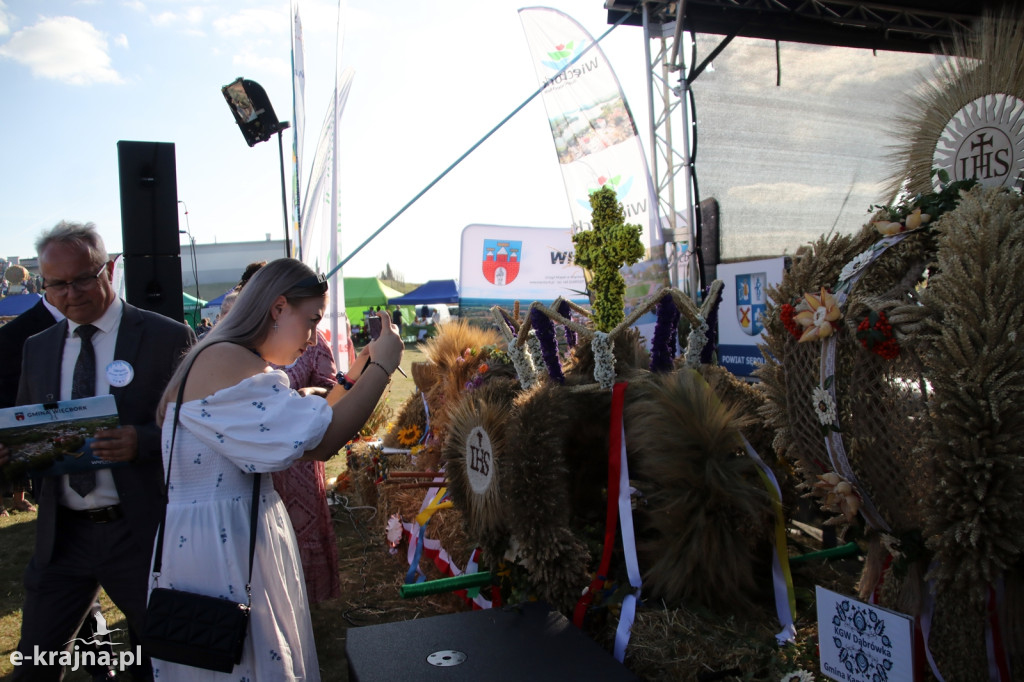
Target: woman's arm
352,409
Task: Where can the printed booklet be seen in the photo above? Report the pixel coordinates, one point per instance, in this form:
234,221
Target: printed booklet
55,438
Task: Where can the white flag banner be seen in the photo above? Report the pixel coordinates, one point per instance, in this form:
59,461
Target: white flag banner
596,139
316,217
595,136
298,125
320,225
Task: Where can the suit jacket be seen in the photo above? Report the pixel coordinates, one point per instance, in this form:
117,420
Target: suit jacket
153,345
12,340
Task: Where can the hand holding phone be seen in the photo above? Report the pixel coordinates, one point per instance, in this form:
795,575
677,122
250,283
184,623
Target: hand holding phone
374,325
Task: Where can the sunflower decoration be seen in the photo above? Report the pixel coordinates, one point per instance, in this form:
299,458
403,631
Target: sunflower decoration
410,435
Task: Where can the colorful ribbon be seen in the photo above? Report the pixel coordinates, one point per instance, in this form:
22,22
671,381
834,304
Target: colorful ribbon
927,611
827,367
782,577
426,416
431,503
628,611
420,546
611,517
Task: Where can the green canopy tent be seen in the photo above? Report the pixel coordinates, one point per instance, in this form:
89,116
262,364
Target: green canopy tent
364,292
193,307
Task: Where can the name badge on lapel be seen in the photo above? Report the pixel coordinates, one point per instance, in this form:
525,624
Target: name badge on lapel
120,373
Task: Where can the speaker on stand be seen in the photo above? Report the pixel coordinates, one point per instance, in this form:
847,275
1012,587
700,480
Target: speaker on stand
149,227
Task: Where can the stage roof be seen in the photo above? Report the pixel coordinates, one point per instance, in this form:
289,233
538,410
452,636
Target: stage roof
901,25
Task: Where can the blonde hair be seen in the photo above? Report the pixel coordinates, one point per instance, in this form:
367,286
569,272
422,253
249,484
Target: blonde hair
250,319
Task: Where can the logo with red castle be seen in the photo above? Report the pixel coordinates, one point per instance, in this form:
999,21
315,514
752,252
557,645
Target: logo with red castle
502,260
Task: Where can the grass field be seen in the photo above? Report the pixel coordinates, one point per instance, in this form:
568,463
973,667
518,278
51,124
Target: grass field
370,575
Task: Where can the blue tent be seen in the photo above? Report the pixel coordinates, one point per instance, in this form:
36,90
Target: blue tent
217,301
17,304
434,291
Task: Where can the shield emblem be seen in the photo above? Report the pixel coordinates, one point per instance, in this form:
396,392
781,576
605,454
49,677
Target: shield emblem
501,260
750,302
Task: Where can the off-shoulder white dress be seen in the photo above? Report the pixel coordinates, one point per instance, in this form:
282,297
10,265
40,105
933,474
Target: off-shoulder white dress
258,425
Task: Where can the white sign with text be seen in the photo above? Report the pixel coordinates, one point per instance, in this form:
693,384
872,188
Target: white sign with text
860,642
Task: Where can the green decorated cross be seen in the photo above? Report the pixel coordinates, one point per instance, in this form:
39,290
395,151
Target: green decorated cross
603,250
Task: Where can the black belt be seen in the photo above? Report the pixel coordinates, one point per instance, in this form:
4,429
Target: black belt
99,515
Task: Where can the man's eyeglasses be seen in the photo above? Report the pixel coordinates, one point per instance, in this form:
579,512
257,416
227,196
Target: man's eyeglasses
79,284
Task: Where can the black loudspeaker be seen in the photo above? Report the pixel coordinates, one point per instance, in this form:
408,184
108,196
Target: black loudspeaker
526,642
149,198
149,227
710,243
154,283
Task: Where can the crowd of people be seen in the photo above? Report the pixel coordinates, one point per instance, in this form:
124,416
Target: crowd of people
259,395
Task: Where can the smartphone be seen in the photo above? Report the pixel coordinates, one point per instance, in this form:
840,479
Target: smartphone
374,325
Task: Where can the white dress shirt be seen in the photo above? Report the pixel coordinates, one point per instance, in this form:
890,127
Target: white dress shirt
103,341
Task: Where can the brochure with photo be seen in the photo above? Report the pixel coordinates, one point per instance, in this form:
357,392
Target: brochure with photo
52,439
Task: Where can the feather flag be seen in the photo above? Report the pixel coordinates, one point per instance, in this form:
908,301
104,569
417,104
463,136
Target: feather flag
298,125
595,137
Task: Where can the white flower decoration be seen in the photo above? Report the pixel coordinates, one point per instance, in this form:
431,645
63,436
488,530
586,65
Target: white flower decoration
523,364
604,360
859,262
394,530
536,354
824,406
797,676
695,342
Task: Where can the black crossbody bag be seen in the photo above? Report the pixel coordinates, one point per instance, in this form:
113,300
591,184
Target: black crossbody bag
195,629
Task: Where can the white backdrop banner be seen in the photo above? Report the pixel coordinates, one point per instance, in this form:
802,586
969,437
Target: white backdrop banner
503,264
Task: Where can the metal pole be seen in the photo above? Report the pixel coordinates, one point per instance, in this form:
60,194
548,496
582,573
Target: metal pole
625,15
670,216
284,195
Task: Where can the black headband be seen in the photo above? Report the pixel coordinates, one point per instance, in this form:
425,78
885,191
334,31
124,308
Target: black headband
313,282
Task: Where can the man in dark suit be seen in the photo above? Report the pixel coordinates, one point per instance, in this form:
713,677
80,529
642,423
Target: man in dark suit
12,338
97,532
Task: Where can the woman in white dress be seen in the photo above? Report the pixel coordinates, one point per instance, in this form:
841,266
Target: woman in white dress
238,416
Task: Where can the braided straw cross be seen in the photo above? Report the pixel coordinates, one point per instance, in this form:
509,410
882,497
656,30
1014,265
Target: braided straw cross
604,360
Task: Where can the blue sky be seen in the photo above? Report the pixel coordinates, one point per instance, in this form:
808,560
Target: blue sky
430,79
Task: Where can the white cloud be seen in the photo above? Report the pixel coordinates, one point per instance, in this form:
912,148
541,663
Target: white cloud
64,49
164,18
121,41
252,22
135,5
191,17
256,63
5,19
